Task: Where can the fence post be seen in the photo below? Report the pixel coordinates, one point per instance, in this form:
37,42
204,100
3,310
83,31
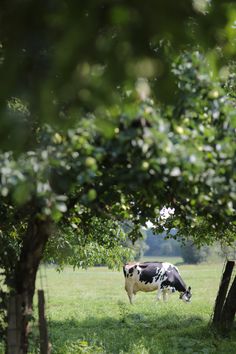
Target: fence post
43,332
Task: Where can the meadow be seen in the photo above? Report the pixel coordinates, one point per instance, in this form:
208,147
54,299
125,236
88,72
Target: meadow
89,312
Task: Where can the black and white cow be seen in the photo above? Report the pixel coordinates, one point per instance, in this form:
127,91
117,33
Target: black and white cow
149,276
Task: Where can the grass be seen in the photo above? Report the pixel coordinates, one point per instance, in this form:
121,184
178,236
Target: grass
89,312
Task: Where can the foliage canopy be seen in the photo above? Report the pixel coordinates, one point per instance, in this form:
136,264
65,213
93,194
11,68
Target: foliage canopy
67,58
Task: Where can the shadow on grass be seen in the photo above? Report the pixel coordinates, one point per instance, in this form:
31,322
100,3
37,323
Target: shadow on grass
130,334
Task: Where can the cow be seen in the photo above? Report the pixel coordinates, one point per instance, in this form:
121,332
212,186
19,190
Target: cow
150,276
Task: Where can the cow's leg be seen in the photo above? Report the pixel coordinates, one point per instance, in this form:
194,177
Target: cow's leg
130,292
131,297
159,292
165,295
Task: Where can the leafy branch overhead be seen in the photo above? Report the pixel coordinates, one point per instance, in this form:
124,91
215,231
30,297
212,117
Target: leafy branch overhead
66,57
182,156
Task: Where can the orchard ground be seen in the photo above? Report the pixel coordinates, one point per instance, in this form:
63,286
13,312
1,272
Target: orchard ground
89,312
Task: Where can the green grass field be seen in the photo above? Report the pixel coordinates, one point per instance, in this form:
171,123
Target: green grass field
89,312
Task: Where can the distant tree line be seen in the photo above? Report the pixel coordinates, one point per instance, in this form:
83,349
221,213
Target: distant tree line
158,245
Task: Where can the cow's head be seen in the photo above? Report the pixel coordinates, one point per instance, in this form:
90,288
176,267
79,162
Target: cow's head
186,296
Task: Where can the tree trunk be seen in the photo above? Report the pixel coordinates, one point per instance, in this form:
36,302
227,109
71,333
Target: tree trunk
229,309
14,319
222,293
33,246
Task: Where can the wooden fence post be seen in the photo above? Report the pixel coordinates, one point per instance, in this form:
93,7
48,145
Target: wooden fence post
43,332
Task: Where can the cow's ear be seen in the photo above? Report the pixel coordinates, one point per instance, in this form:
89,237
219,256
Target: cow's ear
135,266
189,288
